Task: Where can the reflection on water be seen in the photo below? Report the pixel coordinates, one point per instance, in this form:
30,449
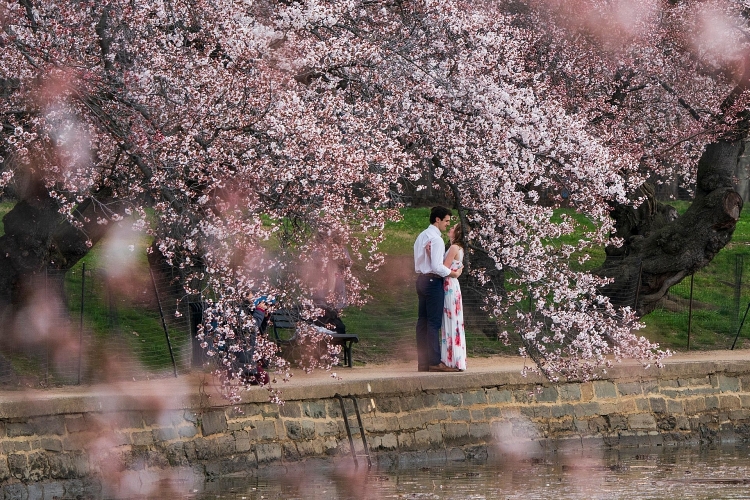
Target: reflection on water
664,473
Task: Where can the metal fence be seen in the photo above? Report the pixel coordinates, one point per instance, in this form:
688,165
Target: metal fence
708,309
88,326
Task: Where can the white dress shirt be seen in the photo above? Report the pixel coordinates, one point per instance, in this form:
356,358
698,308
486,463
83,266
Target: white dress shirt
432,263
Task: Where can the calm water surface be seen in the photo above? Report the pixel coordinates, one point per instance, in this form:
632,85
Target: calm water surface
665,473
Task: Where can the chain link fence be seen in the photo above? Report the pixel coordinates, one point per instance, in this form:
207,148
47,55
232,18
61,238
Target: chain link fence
708,309
88,326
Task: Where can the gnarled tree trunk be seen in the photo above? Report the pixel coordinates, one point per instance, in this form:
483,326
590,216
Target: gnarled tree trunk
661,248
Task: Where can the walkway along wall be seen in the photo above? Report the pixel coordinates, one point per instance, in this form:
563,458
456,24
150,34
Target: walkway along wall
66,440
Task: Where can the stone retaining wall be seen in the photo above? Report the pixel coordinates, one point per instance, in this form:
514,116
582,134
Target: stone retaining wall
68,444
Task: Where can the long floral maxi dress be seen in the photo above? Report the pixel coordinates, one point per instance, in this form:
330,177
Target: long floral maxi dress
452,338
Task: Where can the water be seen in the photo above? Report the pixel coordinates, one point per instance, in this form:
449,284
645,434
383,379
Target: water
663,473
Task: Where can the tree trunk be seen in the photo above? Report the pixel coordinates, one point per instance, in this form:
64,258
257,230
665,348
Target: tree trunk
661,248
38,237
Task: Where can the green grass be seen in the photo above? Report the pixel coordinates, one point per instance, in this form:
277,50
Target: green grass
386,324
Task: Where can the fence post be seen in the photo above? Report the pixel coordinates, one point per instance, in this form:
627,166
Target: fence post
738,268
80,326
638,286
46,344
690,311
163,322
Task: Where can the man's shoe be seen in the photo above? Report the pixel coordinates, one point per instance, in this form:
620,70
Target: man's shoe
423,368
442,368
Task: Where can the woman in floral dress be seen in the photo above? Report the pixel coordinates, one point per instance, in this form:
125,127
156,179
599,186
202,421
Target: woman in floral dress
453,340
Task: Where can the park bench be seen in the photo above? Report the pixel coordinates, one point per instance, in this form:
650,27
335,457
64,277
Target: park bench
284,328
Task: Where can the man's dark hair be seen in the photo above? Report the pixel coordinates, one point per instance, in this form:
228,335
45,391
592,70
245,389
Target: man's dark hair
439,213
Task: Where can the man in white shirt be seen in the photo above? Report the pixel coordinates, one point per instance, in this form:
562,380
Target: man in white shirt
428,263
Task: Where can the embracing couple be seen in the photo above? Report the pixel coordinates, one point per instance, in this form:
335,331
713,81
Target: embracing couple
439,294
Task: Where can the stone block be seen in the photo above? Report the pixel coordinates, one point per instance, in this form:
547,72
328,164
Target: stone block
570,392
18,429
327,428
586,409
658,405
668,384
618,422
558,411
548,394
78,441
496,396
380,423
598,425
729,402
291,409
314,409
435,415
474,398
54,425
480,415
510,412
422,438
524,395
420,401
674,406
480,431
581,425
386,442
213,422
528,410
641,421
642,404
310,448
205,449
543,411
4,469
119,420
461,415
650,387
609,407
525,429
561,426
75,423
175,454
694,405
628,405
300,430
142,438
629,388
267,452
604,389
163,434
187,431
587,391
18,464
51,444
740,415
414,420
388,405
406,441
225,445
450,399
68,465
455,432
728,384
266,430
712,402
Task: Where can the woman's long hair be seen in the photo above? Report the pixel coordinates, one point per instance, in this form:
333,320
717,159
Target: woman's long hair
458,235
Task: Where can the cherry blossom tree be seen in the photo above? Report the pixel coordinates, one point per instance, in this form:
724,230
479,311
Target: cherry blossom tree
235,132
